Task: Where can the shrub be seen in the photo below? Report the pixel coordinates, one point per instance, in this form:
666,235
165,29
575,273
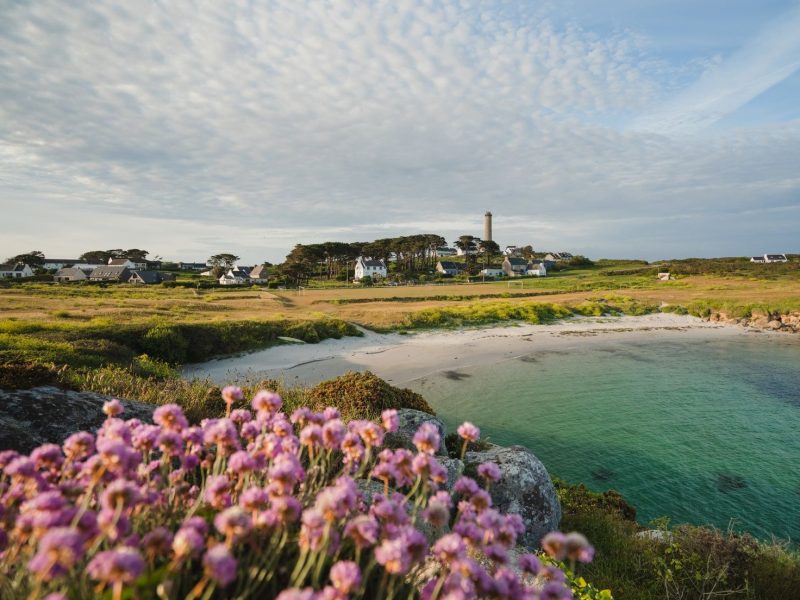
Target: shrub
165,342
364,395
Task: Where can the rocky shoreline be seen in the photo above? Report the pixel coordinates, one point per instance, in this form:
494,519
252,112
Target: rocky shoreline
787,323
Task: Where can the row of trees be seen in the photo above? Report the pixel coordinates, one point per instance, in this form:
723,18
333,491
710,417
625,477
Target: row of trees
412,254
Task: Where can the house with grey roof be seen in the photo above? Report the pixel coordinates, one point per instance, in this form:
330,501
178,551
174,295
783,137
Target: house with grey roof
140,265
68,274
145,277
15,271
514,267
368,267
111,273
259,274
449,267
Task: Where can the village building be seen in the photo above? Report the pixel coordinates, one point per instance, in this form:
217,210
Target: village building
512,251
54,264
67,274
235,276
449,267
15,271
149,277
559,256
367,267
492,272
111,273
775,258
192,266
140,265
536,268
259,274
757,259
514,267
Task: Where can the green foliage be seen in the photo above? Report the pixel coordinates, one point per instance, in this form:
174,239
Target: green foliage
477,314
686,562
166,342
363,396
732,267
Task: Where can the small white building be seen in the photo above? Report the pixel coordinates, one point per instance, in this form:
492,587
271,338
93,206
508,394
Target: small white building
493,272
512,251
259,274
664,276
15,271
469,251
775,258
367,267
236,276
536,269
757,259
54,264
127,262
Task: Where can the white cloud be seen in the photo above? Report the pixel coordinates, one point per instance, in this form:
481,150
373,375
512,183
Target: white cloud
258,125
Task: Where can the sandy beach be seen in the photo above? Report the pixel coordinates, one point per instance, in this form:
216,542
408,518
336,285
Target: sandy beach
401,359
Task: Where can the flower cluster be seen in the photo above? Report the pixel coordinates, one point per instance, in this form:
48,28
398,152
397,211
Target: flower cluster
259,503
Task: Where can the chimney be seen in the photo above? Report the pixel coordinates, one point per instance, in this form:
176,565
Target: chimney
487,226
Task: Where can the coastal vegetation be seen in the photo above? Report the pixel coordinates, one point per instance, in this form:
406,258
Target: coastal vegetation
687,562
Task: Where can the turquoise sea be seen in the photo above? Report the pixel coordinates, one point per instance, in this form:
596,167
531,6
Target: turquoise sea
701,431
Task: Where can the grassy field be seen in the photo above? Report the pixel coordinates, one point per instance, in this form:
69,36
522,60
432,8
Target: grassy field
771,287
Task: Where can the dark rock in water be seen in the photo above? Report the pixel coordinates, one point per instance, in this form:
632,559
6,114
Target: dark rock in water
410,420
29,418
728,483
602,474
455,375
528,359
524,488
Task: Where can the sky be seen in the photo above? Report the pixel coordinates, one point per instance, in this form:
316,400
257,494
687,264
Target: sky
623,128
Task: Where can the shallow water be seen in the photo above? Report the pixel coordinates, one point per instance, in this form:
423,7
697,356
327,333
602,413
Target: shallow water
705,432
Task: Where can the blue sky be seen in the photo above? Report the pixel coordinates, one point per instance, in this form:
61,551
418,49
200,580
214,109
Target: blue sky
647,129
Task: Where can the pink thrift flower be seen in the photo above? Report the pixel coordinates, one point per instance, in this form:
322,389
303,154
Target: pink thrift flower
58,551
554,543
427,438
187,543
390,420
577,547
345,576
449,548
220,565
469,432
489,471
233,523
113,408
122,565
79,445
231,394
266,402
529,563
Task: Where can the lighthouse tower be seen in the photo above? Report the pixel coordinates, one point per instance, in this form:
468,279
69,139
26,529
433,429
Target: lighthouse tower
487,226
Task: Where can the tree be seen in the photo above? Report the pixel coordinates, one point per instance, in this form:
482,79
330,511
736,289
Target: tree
95,256
224,261
34,258
136,254
527,252
489,249
469,245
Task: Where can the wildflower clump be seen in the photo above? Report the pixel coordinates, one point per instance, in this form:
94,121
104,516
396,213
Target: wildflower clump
261,504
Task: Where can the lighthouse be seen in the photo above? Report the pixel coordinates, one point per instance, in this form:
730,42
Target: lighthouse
487,226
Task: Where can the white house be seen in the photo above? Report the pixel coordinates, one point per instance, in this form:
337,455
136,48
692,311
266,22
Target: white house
367,267
15,271
512,251
536,269
139,265
493,272
514,267
469,251
235,276
775,258
757,259
54,264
